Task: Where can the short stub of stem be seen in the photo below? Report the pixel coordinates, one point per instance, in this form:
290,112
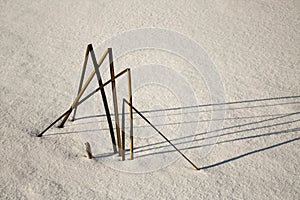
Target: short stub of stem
88,150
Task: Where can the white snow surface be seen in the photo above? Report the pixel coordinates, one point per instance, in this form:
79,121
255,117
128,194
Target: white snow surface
255,46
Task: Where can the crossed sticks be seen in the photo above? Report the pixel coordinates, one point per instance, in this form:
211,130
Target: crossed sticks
81,90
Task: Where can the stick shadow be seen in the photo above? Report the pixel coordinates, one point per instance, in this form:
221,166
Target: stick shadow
249,153
186,109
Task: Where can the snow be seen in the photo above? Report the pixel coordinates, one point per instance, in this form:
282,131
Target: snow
254,47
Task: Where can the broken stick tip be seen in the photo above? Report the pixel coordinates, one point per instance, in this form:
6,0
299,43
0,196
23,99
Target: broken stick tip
60,126
90,47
